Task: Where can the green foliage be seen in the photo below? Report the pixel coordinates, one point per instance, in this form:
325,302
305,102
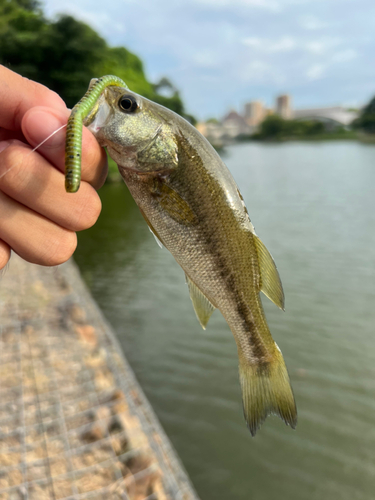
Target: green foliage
127,66
190,118
65,54
21,26
164,85
274,127
174,102
366,120
167,95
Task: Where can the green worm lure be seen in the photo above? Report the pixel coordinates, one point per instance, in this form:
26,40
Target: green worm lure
73,142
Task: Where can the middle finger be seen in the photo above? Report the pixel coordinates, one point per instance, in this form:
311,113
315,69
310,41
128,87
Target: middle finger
28,178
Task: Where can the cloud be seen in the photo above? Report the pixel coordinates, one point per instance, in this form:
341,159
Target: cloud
99,19
207,59
317,47
258,72
315,72
255,48
345,55
323,45
270,5
312,23
284,44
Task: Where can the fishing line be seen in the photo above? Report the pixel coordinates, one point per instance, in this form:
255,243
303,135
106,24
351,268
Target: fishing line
33,150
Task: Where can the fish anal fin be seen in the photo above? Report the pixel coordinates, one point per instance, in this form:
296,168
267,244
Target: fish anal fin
270,280
202,306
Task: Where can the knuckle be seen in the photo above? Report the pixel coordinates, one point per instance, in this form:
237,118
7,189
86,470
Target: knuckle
13,154
12,160
88,214
93,211
60,249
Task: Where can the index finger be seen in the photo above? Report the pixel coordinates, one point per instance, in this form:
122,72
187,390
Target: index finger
40,122
18,94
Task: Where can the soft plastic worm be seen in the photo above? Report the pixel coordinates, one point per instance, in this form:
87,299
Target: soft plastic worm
73,143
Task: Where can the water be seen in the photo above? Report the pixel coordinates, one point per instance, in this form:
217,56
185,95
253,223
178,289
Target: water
313,205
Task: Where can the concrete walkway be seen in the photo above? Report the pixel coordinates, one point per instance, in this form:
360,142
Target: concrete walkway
74,423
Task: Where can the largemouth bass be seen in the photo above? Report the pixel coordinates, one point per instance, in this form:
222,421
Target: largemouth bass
192,204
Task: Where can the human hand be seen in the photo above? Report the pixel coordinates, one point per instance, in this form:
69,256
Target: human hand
38,219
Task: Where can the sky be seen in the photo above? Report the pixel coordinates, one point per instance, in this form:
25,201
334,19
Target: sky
223,53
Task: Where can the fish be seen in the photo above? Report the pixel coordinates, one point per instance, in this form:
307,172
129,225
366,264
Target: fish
194,208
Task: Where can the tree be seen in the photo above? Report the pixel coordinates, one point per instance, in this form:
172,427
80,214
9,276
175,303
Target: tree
366,120
275,127
272,127
65,54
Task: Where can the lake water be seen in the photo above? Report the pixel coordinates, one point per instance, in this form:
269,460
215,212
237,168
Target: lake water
313,205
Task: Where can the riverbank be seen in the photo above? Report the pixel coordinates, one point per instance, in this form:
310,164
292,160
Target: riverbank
346,135
74,422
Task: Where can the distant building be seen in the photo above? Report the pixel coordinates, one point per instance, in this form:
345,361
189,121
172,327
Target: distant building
269,111
284,106
331,116
255,113
202,128
234,124
212,131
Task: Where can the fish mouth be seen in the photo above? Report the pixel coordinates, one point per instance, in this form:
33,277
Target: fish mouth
98,116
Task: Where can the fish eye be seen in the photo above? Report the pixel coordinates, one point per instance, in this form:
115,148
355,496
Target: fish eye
128,103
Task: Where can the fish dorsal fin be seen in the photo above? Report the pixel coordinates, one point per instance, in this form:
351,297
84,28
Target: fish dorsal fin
202,306
270,280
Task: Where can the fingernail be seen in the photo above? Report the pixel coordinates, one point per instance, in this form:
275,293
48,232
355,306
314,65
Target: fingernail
40,124
4,145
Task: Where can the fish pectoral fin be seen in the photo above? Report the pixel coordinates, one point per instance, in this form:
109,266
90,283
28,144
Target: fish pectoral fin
176,207
270,280
202,306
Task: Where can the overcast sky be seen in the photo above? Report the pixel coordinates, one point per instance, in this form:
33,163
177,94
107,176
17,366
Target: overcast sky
222,53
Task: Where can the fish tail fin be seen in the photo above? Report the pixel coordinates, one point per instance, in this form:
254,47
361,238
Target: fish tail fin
266,390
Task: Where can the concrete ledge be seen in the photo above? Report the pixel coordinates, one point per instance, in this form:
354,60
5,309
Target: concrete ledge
74,423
